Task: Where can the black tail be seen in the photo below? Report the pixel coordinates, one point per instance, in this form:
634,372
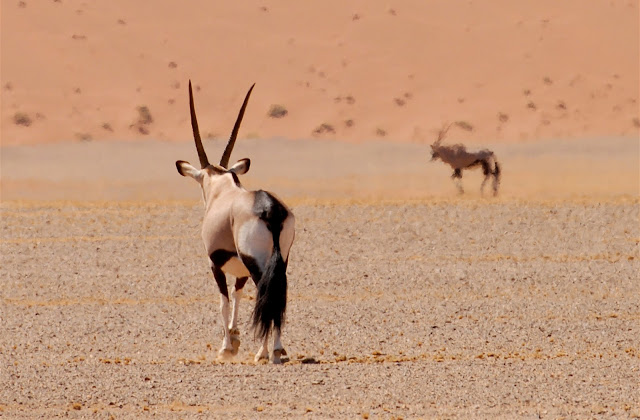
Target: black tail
271,300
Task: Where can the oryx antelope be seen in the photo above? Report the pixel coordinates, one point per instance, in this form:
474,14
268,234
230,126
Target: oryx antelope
245,233
459,158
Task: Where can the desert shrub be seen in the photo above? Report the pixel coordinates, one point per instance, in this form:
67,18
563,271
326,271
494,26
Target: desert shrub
324,128
277,111
464,125
144,115
20,118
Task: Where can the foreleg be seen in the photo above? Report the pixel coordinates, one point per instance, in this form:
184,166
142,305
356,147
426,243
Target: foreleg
236,296
457,177
226,349
487,174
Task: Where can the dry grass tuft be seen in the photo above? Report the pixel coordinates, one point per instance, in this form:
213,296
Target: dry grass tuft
277,111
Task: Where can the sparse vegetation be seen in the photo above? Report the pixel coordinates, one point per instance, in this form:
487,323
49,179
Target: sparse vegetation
636,122
399,101
464,125
324,128
107,127
532,106
144,120
84,136
381,132
172,64
503,117
144,116
547,80
21,118
348,123
277,111
561,105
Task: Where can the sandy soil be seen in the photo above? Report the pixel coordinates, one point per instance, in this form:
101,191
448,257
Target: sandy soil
405,300
600,168
455,308
505,70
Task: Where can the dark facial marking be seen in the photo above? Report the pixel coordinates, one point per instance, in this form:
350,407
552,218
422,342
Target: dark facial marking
212,170
235,178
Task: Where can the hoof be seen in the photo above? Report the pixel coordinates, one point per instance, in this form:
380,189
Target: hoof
275,357
259,357
235,343
225,354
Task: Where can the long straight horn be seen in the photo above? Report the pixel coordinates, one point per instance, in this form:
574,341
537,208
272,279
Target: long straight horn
224,161
442,133
204,162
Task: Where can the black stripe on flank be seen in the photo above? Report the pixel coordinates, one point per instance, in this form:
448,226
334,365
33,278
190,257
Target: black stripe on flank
220,257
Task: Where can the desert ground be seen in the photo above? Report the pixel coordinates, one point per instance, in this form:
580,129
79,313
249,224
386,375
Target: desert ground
406,300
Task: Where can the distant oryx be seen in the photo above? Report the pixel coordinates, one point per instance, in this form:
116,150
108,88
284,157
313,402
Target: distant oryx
245,233
459,158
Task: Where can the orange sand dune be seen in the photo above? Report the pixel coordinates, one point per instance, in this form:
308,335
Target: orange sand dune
505,70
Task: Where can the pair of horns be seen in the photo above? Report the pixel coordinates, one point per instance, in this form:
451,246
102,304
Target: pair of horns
442,133
224,161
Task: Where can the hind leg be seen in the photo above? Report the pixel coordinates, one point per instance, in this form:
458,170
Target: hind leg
484,181
263,351
496,184
234,332
278,350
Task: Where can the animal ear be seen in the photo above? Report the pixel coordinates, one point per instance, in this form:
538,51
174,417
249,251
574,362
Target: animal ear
186,169
241,167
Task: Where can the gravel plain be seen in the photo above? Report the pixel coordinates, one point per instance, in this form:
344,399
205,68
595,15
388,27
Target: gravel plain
445,308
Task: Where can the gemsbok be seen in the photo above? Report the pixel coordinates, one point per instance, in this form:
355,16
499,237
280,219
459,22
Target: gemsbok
459,158
245,233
